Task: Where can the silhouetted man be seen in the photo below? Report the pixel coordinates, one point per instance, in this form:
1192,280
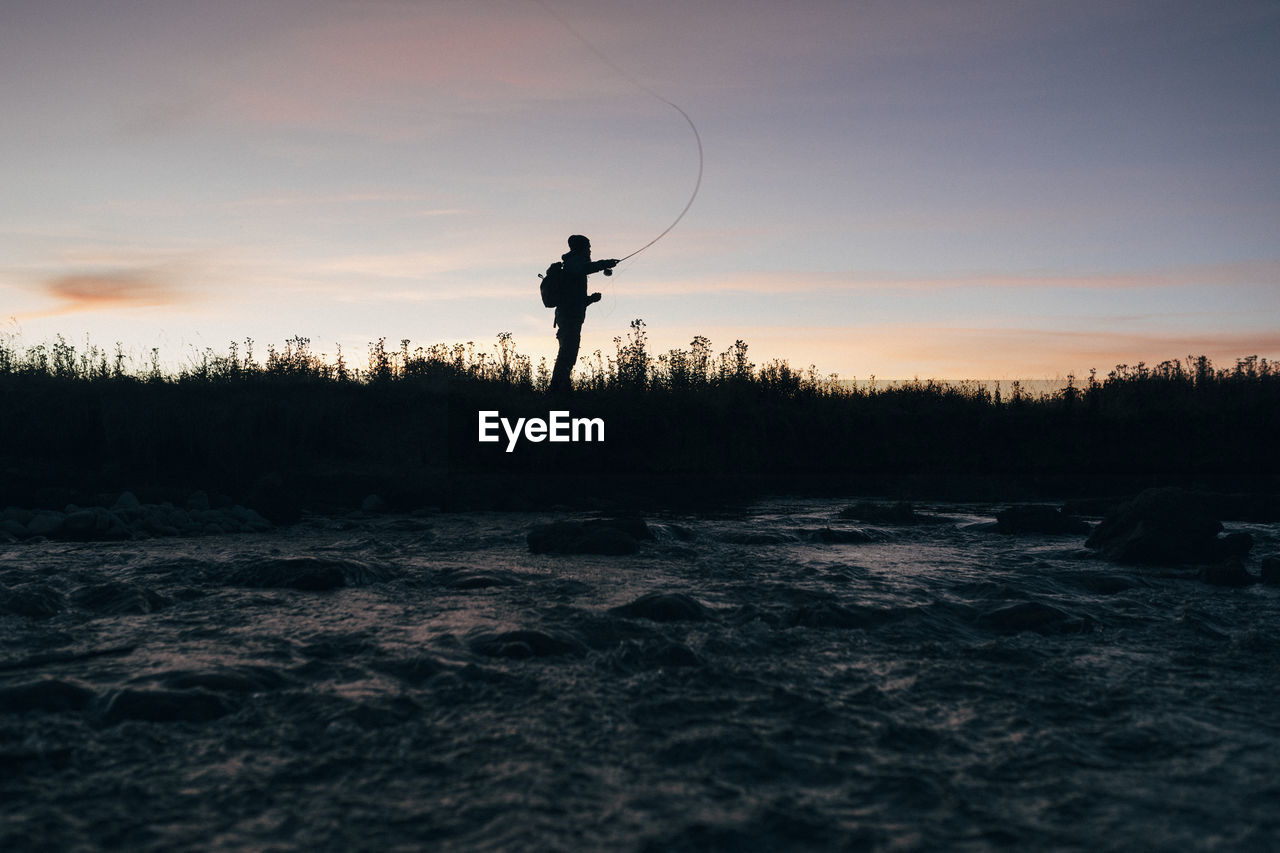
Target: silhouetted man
572,310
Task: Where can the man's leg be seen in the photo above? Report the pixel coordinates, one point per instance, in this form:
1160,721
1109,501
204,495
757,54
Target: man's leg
570,337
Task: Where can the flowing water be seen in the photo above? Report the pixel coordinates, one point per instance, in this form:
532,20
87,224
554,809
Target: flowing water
806,683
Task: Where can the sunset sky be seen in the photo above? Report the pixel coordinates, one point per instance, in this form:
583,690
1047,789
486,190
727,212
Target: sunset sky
949,189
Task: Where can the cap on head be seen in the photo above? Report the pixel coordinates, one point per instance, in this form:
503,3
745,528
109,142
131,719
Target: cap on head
577,241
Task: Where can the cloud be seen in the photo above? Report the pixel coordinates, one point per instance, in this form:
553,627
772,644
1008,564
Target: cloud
107,290
347,198
791,281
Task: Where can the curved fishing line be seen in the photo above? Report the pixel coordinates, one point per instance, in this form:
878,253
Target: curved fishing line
697,185
622,72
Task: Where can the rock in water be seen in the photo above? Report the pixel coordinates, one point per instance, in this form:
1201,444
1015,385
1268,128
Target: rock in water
46,523
274,500
828,536
13,528
1032,616
524,643
828,614
45,694
468,580
664,607
33,600
412,669
164,706
114,598
1038,519
1105,584
308,573
878,513
1234,546
1165,527
597,536
224,679
94,524
654,653
1229,573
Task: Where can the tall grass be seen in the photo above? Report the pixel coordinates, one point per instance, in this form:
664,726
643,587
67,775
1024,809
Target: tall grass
78,421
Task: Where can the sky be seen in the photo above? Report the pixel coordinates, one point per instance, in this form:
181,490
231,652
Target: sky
950,189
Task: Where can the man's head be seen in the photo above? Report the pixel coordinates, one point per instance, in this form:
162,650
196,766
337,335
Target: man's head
578,243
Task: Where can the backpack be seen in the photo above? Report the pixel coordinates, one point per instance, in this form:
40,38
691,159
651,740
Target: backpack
552,285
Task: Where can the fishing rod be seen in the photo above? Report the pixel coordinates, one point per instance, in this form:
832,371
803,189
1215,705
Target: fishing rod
626,75
697,185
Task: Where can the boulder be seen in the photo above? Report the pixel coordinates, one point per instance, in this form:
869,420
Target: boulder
1037,519
17,515
13,527
596,536
33,600
166,520
524,643
45,694
632,525
46,523
758,537
1108,584
163,706
413,668
635,655
1165,527
1228,573
307,573
828,614
304,573
901,512
664,607
94,524
1033,616
1271,570
274,500
242,678
116,598
129,518
468,580
248,519
311,574
828,536
1234,546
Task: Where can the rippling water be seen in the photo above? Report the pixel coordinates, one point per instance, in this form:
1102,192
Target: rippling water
435,686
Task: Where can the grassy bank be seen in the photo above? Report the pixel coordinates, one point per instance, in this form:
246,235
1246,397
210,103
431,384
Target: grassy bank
694,426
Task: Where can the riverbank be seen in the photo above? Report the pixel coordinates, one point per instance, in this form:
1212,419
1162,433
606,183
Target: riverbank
681,430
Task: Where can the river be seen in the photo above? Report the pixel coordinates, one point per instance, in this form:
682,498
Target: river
790,681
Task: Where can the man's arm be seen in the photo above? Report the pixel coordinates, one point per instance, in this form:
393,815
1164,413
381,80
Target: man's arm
596,266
